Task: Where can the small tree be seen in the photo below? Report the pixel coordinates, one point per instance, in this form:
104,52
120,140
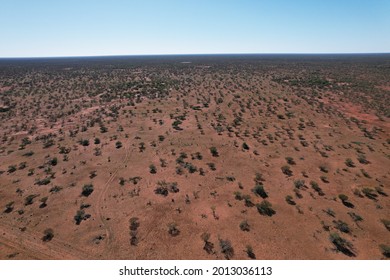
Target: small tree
226,248
245,146
259,190
385,250
290,200
244,226
118,144
342,245
214,152
317,188
87,190
43,201
48,235
9,207
265,208
349,162
286,170
290,160
208,246
250,253
173,230
152,169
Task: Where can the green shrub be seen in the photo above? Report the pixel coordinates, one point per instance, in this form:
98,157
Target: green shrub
286,170
87,190
214,152
48,235
244,226
349,162
265,208
259,190
385,250
226,248
342,245
289,200
152,169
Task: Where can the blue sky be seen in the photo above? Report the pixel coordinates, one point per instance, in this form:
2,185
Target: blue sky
40,28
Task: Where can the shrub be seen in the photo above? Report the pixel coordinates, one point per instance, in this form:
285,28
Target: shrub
386,223
342,226
330,212
345,201
9,207
259,190
191,168
324,169
259,178
355,217
357,192
385,250
380,191
286,170
298,193
28,154
349,162
249,252
362,159
245,146
214,152
165,187
299,184
365,174
244,226
370,193
343,197
43,201
289,200
87,190
44,181
324,179
29,199
134,223
342,245
212,166
55,189
48,235
208,246
84,142
152,169
248,201
173,230
290,160
118,144
317,188
238,195
226,248
80,216
12,168
265,208
103,129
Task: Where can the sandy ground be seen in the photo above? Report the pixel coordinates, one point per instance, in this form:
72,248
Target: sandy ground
243,105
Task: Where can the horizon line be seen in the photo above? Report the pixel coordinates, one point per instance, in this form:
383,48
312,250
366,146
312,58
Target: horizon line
193,54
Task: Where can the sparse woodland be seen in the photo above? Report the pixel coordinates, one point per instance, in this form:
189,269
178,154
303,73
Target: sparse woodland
221,158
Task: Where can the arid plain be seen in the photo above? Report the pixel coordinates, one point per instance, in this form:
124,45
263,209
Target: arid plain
195,157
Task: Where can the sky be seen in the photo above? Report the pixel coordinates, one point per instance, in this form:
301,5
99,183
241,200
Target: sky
47,28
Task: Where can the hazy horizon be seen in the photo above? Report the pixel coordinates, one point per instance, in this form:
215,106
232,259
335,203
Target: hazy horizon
197,54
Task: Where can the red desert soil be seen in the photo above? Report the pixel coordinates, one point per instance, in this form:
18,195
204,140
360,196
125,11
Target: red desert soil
220,158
